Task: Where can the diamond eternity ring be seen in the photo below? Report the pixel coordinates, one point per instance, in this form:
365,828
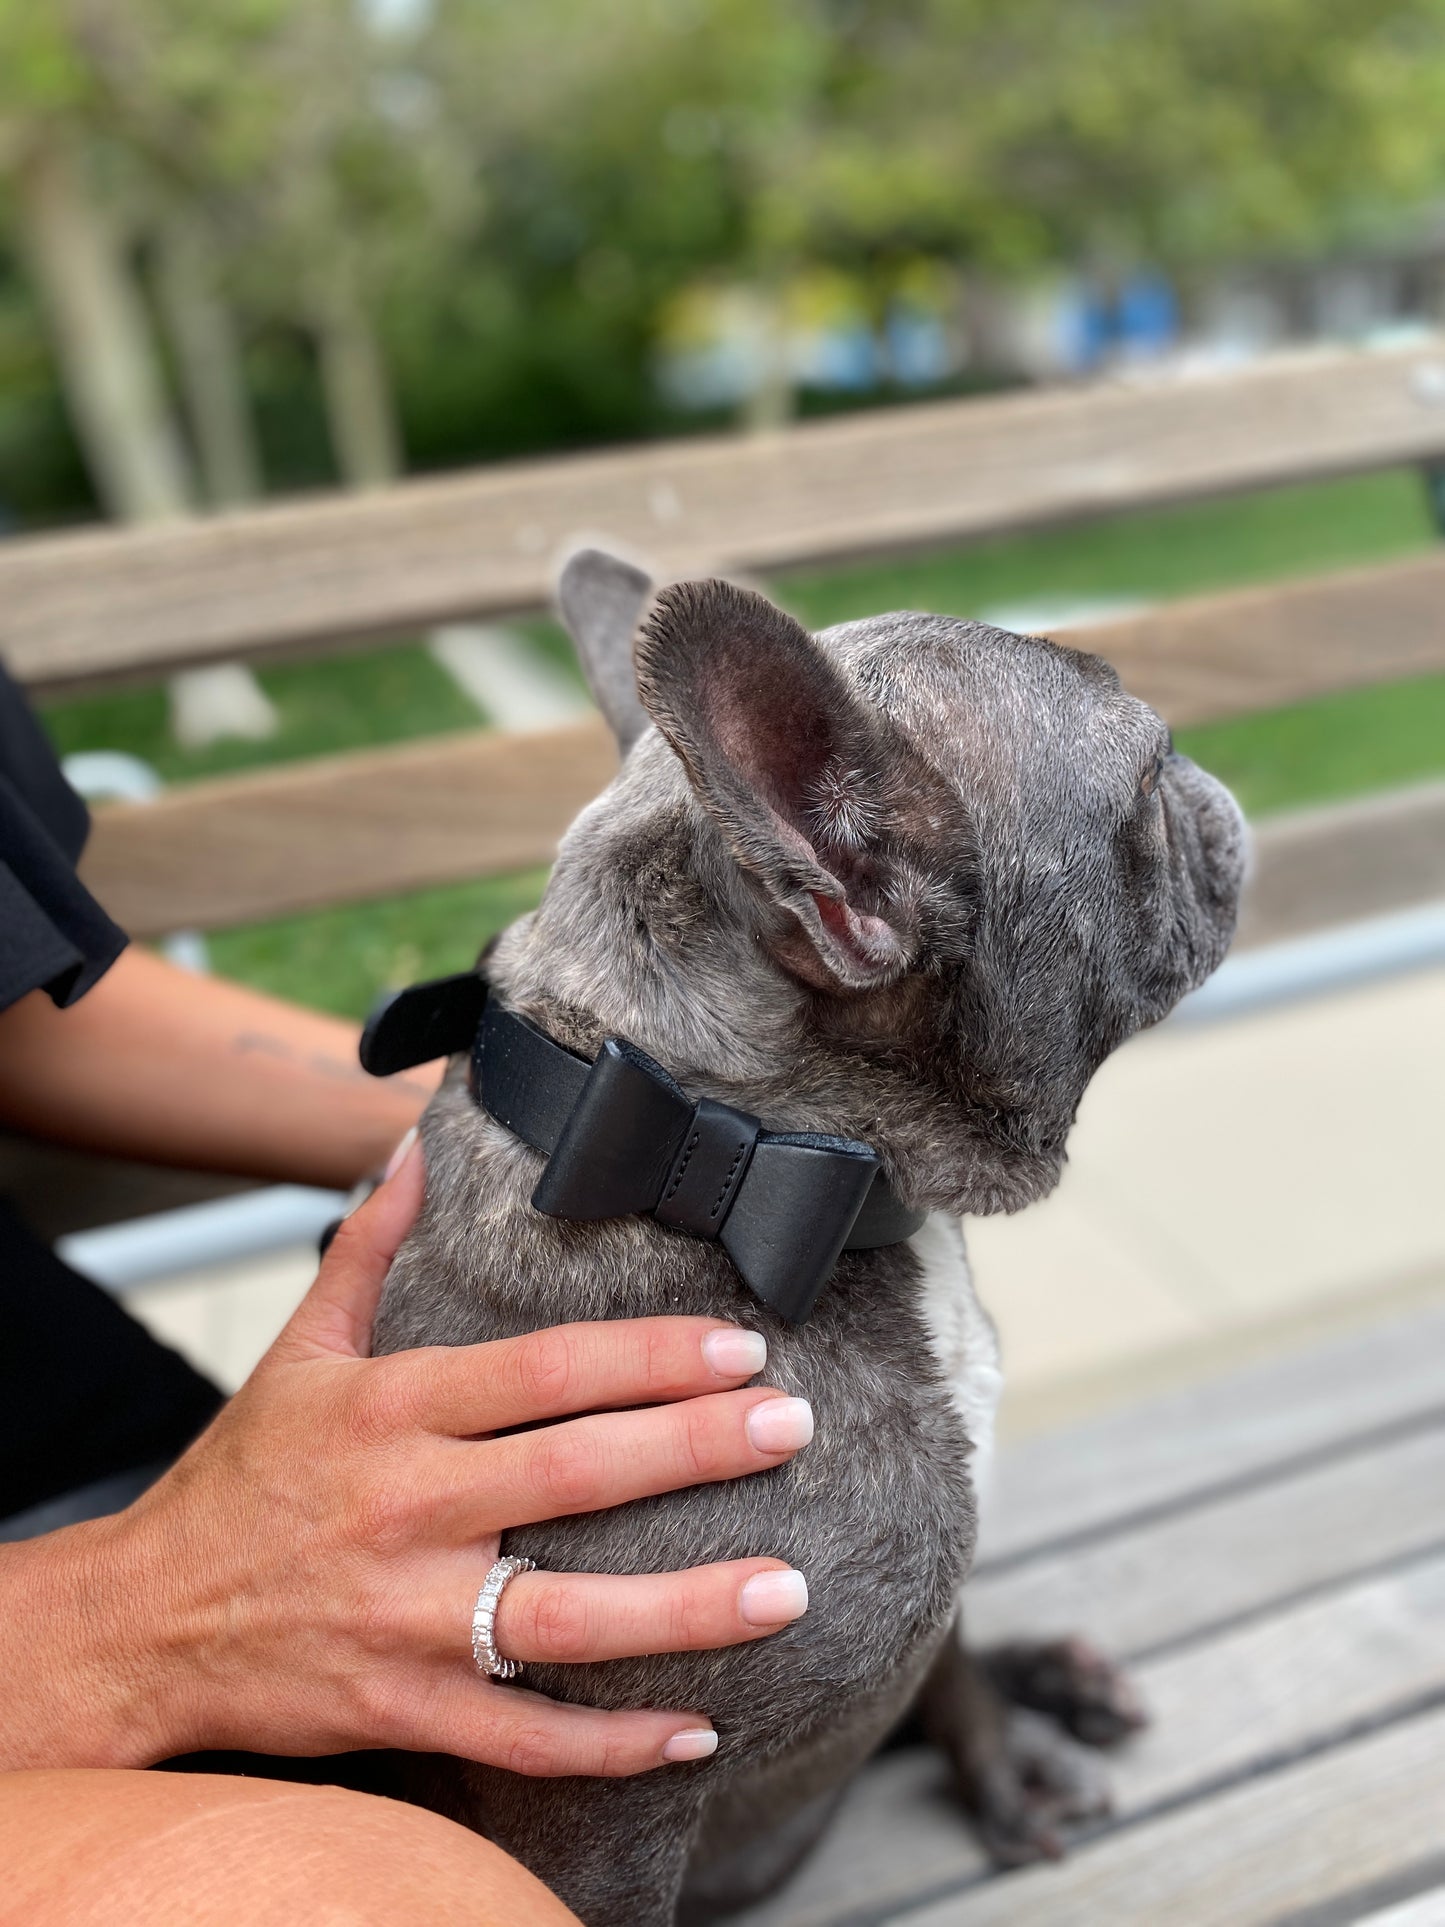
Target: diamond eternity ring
490,1663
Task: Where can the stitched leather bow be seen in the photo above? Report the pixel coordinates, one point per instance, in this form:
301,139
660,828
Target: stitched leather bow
782,1206
621,1136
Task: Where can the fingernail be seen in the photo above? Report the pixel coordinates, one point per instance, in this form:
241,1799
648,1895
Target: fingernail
773,1598
735,1353
780,1425
398,1156
693,1743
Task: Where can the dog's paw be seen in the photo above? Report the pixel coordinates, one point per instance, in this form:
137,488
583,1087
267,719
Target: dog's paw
1032,1787
1073,1683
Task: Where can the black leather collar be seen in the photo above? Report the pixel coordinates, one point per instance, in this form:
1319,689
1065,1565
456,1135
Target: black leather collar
621,1136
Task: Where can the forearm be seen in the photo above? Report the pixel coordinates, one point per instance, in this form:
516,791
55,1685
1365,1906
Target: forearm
172,1068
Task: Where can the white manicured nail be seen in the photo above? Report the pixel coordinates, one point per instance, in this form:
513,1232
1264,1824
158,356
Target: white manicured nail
780,1425
736,1353
773,1598
693,1743
398,1156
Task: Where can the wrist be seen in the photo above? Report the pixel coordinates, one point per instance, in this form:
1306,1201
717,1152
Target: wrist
91,1679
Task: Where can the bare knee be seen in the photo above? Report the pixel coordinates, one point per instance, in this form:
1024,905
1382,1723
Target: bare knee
83,1846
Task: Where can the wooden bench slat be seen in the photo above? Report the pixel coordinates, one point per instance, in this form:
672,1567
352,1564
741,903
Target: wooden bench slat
1352,860
343,829
1259,1694
1180,1575
1205,657
1338,1825
286,576
1284,1684
444,809
1179,1445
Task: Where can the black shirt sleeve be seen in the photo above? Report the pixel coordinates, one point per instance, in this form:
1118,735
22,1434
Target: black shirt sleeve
53,934
85,1391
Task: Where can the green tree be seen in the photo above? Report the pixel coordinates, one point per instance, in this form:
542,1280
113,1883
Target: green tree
72,227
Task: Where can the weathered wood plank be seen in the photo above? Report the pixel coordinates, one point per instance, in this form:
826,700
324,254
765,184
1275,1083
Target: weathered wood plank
380,822
898,1837
1262,1693
102,602
1285,1684
344,828
1185,1573
1353,860
1206,657
1329,1828
1178,1445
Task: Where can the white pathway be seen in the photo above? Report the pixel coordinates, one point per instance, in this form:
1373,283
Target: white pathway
510,680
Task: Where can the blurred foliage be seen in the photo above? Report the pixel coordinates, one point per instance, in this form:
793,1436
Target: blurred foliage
514,193
513,196
41,469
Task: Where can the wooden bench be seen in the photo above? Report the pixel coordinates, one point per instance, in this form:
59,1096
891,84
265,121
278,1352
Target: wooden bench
304,574
103,604
1267,1549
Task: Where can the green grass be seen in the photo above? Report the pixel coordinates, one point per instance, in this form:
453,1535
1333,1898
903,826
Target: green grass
339,960
330,703
1162,552
1333,747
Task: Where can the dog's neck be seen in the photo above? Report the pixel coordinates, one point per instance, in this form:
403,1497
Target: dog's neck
648,931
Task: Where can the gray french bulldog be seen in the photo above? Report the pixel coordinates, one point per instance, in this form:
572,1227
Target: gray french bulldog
908,881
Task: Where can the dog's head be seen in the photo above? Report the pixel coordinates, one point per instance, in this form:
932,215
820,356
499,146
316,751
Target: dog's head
973,855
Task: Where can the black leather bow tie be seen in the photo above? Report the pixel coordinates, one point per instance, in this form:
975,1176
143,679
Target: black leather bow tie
621,1136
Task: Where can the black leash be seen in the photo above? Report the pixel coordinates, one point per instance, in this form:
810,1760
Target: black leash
621,1136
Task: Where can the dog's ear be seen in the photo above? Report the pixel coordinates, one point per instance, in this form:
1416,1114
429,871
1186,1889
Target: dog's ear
600,598
804,780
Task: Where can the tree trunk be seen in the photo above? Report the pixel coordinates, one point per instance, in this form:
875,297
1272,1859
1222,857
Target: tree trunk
773,400
116,393
112,381
208,361
359,410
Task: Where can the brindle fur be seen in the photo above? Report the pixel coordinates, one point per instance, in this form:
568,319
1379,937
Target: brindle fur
909,881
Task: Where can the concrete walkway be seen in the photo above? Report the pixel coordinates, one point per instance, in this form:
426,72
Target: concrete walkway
1228,1186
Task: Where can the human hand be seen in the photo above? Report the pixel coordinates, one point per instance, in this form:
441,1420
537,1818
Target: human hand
302,1580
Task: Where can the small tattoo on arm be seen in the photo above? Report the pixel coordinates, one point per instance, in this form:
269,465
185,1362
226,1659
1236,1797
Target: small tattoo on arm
250,1040
319,1063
